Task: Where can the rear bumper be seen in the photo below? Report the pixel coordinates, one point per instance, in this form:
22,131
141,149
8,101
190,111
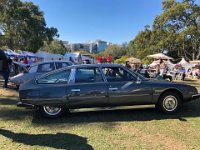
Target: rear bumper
196,96
26,105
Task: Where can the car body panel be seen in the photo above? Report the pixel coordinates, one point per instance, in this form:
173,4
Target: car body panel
87,95
132,93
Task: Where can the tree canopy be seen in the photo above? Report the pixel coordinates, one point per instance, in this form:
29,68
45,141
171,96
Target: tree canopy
175,32
55,46
22,26
114,50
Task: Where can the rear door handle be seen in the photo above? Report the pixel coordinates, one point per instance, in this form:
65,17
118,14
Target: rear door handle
75,90
113,89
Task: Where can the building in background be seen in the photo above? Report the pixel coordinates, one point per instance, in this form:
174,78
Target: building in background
101,45
91,46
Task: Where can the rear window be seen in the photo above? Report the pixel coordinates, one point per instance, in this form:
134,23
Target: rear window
46,67
87,75
60,77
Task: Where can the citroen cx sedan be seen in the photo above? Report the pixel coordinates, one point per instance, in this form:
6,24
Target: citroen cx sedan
101,85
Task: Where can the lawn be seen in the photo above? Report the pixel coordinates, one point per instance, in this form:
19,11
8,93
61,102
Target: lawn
110,129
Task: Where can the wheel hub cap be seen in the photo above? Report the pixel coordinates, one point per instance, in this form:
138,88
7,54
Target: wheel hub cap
51,110
170,103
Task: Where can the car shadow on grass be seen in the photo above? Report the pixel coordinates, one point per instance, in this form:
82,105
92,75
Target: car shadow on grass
56,141
188,110
8,100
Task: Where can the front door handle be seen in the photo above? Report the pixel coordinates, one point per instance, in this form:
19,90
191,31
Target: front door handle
113,89
75,90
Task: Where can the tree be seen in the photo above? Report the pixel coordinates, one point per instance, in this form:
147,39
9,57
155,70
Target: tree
178,28
176,32
24,26
56,47
140,46
115,51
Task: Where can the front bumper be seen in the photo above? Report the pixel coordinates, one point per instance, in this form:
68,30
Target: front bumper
196,96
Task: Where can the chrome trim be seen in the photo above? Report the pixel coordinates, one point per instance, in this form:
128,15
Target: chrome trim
72,76
113,89
44,99
75,90
140,95
196,96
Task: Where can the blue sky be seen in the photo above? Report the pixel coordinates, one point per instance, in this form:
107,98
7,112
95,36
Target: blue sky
115,21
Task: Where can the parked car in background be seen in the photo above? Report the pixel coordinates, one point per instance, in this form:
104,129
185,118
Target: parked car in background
26,73
101,85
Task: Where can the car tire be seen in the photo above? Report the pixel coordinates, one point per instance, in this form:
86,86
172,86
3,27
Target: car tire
169,103
51,112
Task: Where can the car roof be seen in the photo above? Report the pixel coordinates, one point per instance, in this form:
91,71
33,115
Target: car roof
88,65
96,65
44,62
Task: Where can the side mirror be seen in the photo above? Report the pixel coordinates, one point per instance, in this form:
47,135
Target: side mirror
138,81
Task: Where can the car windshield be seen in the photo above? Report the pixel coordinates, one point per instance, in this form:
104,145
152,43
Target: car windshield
139,75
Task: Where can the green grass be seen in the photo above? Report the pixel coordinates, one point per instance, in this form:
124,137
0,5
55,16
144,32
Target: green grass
111,129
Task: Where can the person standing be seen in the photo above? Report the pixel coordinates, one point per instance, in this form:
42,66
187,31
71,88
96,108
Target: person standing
109,58
5,68
162,67
128,65
25,60
30,61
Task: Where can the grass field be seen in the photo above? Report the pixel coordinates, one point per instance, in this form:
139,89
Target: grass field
130,129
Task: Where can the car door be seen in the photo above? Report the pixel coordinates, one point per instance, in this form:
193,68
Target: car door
44,68
123,88
88,89
53,87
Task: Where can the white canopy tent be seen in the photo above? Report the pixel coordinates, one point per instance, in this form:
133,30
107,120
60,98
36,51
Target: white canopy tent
167,62
159,56
133,60
154,63
44,56
73,57
185,64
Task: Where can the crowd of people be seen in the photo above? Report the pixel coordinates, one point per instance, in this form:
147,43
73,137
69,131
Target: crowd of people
161,70
7,66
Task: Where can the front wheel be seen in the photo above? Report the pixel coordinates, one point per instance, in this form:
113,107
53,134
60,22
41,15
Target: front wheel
169,102
51,112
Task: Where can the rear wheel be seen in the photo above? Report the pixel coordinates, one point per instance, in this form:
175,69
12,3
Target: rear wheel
169,102
51,111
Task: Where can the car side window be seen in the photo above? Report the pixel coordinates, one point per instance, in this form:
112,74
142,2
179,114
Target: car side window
46,67
117,74
61,64
85,75
60,77
33,69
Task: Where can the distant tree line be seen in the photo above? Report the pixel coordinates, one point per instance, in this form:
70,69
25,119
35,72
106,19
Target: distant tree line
23,27
175,32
